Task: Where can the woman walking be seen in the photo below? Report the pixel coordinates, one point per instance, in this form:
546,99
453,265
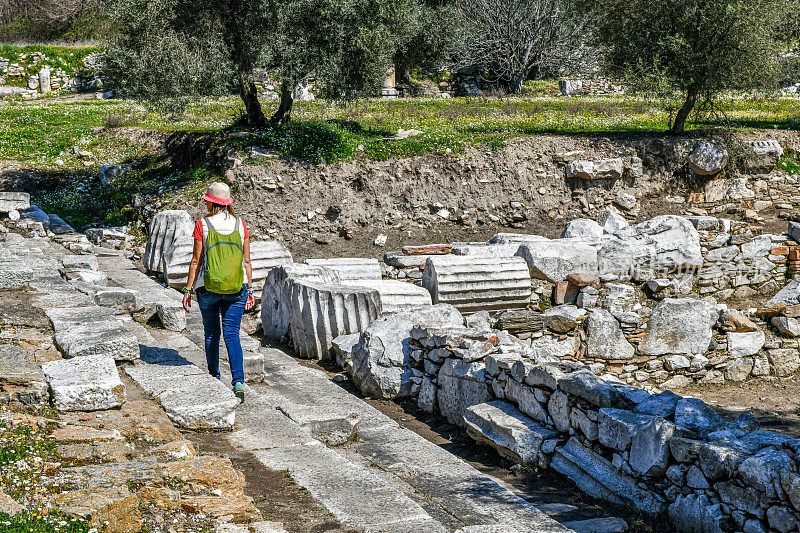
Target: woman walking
220,264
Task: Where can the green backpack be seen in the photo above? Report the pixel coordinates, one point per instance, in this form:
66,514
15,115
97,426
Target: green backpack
224,255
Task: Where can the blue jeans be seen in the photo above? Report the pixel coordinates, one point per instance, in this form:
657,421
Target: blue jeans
231,308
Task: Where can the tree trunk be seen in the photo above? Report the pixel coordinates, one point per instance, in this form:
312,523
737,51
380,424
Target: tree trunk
249,94
683,112
516,84
284,113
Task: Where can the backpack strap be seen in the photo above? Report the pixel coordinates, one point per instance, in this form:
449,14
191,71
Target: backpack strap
236,229
208,221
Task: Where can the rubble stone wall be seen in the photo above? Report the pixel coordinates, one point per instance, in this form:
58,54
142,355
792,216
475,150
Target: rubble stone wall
659,452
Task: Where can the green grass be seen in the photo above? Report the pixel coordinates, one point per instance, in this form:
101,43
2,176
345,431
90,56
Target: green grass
27,522
43,134
40,132
69,59
790,162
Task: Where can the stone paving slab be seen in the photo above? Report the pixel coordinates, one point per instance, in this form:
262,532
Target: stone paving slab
87,383
81,331
336,482
192,398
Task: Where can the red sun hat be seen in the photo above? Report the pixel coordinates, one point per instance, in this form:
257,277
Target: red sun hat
218,193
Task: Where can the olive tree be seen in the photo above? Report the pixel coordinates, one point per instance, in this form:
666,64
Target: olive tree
694,48
174,48
510,38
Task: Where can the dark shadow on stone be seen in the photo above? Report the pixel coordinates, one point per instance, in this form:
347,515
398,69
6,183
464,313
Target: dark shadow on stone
161,356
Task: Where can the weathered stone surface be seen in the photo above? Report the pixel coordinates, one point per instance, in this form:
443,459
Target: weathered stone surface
115,506
692,513
548,346
605,339
599,169
176,260
745,344
781,519
21,379
662,404
84,331
764,470
87,262
664,244
10,201
332,427
381,357
745,499
266,255
350,268
58,226
87,383
762,155
121,301
733,320
596,476
589,388
707,160
784,361
321,312
616,427
581,227
695,416
611,221
503,427
14,274
555,260
649,454
397,296
275,310
787,327
679,326
192,398
598,525
172,315
738,370
473,284
461,385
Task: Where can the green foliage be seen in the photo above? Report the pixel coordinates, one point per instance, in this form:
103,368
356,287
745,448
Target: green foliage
175,49
790,162
29,522
699,48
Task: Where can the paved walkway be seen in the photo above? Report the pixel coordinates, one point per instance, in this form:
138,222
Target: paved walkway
389,480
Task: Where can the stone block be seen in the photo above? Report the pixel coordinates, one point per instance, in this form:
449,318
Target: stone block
396,296
472,284
600,169
172,315
81,331
275,310
596,476
121,301
11,201
555,260
461,385
505,428
762,156
87,383
680,326
381,357
351,268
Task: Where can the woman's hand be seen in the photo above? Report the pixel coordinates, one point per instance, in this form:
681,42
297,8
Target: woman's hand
187,301
250,303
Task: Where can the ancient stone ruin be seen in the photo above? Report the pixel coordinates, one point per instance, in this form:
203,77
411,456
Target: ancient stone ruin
562,354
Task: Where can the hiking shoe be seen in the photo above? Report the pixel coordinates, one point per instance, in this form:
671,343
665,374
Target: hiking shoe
238,390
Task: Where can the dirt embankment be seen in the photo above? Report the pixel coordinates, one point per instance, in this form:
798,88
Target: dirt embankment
338,209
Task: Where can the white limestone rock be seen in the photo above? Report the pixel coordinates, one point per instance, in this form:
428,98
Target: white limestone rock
83,331
88,383
673,240
582,227
679,326
381,358
351,268
555,260
611,169
605,339
321,312
14,201
707,159
745,344
611,221
275,311
461,385
397,296
172,315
